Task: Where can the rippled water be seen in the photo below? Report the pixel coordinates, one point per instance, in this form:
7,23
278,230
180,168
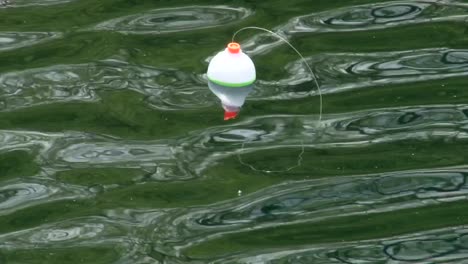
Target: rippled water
113,150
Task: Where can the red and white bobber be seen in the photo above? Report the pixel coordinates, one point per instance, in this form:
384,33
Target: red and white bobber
231,77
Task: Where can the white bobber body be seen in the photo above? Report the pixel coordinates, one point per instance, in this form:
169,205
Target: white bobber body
231,76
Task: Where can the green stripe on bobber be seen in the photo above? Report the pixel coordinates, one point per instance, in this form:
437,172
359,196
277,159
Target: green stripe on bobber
233,85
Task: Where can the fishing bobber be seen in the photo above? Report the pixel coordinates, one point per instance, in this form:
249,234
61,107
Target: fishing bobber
231,77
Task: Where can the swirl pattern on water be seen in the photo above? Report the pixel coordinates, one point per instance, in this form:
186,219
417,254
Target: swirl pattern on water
345,71
439,246
166,89
46,85
204,149
73,232
159,21
102,153
15,40
172,89
154,197
315,201
379,15
23,194
12,196
292,202
26,3
261,131
361,18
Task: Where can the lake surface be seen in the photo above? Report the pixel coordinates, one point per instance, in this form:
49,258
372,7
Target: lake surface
113,149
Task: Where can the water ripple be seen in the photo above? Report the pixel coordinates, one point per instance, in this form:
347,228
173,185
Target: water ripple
21,194
166,89
58,234
315,200
71,232
172,89
14,195
296,201
361,70
15,40
433,246
360,18
159,21
11,139
290,202
191,155
378,16
26,3
212,146
417,250
58,83
407,119
152,201
346,71
99,153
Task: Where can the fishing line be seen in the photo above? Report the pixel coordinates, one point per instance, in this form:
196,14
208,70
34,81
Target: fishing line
299,158
298,164
298,53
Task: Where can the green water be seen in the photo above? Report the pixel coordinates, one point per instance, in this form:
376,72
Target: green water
113,149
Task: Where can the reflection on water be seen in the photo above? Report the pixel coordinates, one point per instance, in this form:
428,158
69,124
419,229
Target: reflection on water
14,40
24,3
345,71
166,89
118,153
375,16
172,89
159,21
440,246
380,15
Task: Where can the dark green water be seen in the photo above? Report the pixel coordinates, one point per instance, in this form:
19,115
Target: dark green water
113,150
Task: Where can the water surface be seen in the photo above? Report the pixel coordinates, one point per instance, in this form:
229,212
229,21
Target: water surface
113,150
